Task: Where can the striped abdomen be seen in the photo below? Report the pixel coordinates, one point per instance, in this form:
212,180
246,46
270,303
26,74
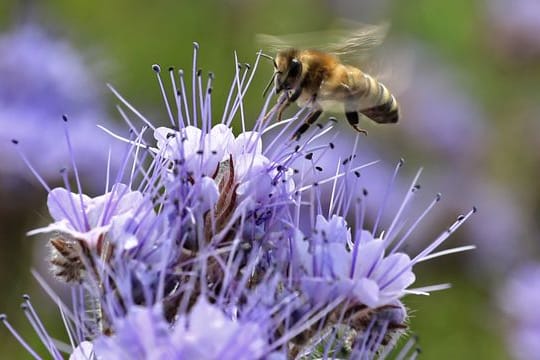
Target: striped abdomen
378,103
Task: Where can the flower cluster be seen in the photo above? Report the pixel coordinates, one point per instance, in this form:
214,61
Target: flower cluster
209,245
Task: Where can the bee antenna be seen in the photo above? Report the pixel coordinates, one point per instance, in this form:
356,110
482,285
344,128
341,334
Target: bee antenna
266,56
269,84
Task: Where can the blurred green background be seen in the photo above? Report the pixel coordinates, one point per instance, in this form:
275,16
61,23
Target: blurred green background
124,38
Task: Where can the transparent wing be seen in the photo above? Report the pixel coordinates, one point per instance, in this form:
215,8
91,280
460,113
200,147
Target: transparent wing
352,44
357,44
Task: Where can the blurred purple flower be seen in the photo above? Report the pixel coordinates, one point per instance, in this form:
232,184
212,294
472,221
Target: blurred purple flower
208,334
142,334
205,333
515,27
438,112
519,299
504,239
43,78
84,351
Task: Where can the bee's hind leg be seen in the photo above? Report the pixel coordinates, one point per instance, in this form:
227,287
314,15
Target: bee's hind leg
354,120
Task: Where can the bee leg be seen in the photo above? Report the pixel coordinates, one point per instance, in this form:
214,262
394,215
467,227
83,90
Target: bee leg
290,99
313,116
267,116
282,109
353,119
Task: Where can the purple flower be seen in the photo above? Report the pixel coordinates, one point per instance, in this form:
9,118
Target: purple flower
200,153
205,333
84,351
370,277
208,334
221,247
365,269
80,217
142,334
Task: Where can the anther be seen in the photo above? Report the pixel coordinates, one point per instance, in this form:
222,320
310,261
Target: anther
349,158
156,68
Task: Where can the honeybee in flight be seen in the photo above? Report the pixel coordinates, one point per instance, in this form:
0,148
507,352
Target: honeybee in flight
323,78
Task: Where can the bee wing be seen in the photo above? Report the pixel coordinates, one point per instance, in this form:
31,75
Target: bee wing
351,44
273,43
355,46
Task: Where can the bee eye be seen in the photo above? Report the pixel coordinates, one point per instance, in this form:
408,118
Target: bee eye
295,68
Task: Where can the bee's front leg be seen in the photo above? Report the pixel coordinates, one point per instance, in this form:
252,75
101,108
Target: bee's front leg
290,99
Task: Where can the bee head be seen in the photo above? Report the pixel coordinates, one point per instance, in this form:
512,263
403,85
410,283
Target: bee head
288,70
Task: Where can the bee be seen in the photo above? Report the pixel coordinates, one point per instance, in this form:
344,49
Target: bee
322,79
